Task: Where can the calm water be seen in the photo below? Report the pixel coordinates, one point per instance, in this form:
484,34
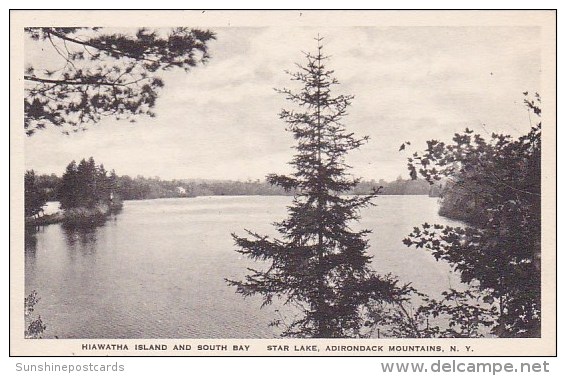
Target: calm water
157,269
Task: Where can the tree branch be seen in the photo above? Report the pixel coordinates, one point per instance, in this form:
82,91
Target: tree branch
69,82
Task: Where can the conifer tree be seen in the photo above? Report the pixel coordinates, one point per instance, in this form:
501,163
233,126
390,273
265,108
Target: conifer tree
86,185
69,194
319,263
103,74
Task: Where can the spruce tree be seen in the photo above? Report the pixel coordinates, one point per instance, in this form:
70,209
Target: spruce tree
319,263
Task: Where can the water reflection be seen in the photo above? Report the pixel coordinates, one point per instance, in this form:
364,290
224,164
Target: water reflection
30,239
81,238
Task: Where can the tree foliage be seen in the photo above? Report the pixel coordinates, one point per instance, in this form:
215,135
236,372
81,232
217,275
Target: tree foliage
319,265
144,188
34,325
498,183
104,74
457,314
34,196
85,185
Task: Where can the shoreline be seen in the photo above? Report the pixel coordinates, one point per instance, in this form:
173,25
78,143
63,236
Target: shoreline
80,216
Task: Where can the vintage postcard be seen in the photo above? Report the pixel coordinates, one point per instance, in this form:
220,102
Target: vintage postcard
283,183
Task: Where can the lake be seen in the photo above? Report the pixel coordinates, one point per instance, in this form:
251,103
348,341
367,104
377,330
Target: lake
157,269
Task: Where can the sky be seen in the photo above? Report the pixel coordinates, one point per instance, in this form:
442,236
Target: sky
220,120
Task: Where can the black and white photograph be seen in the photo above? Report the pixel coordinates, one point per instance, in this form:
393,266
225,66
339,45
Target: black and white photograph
322,183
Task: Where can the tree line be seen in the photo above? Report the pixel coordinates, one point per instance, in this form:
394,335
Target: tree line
79,187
